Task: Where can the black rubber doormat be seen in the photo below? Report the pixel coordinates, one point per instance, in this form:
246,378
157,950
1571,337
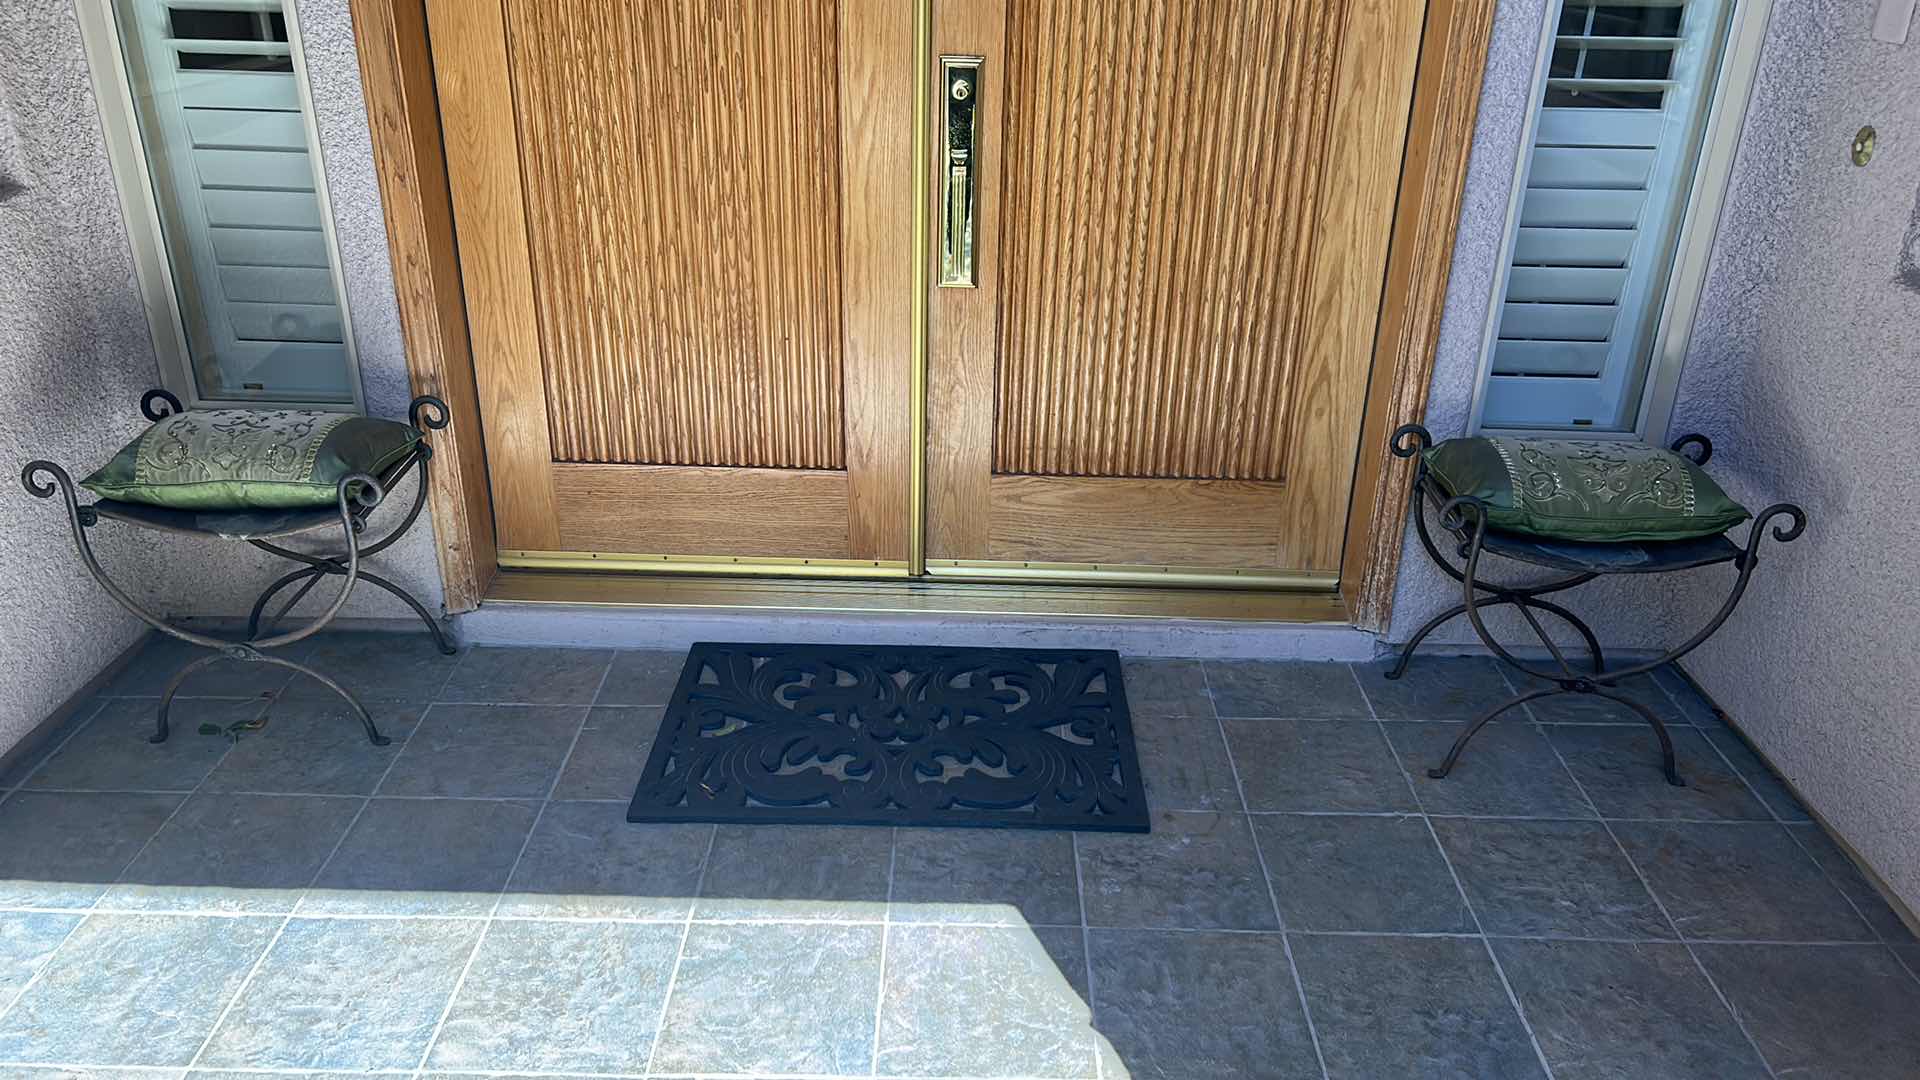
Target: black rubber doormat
896,735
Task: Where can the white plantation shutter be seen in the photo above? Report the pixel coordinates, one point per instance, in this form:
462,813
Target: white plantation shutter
1605,185
224,124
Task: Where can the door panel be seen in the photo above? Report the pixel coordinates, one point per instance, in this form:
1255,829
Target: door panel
1181,241
685,343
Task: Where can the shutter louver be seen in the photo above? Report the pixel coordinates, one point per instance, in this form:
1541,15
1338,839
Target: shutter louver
1596,208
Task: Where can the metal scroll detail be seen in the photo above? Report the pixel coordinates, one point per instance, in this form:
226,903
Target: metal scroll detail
960,91
896,735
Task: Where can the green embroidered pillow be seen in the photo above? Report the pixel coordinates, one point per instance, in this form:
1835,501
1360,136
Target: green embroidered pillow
1590,490
228,459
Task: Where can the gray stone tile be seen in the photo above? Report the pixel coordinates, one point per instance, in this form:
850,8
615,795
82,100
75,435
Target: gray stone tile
773,998
1620,769
610,754
1292,688
225,1074
1068,947
829,872
1689,701
148,673
1379,874
382,666
1411,1006
63,850
315,747
1593,709
27,939
1434,688
1199,1006
1193,871
642,677
1852,883
1317,766
112,753
1771,789
1603,1010
1823,1011
979,1001
585,860
91,1072
1013,877
32,757
423,856
1166,688
1739,882
234,853
1184,763
490,675
559,997
1550,879
350,994
485,751
1910,956
1508,769
133,990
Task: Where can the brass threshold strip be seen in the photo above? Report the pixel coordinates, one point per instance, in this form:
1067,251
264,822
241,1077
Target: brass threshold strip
911,596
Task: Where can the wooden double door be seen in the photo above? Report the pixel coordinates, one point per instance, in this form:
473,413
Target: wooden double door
702,246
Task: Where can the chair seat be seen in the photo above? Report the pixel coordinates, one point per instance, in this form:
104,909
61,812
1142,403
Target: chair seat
231,524
1630,557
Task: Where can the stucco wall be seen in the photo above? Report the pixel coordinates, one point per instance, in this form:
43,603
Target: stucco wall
76,352
72,335
1805,370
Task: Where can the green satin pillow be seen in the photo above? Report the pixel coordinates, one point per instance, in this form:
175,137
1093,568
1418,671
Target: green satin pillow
231,459
1585,489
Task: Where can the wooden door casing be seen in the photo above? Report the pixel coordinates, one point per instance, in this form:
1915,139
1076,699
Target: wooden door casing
685,342
1182,238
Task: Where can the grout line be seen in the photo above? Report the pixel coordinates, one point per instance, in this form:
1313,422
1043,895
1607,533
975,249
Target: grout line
886,928
1086,953
486,926
686,931
260,961
1639,875
1473,913
1273,897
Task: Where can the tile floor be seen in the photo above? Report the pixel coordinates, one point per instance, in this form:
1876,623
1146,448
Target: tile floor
470,901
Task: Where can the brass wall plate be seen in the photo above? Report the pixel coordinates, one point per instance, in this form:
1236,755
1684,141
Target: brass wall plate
1864,144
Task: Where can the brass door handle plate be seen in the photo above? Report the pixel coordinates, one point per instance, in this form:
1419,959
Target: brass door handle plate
960,78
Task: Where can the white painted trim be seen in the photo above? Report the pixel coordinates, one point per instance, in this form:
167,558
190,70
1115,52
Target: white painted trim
133,178
1693,246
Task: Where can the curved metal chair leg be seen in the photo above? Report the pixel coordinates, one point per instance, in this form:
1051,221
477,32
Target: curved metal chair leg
173,688
1460,744
260,605
1667,764
1435,623
447,648
1579,624
359,710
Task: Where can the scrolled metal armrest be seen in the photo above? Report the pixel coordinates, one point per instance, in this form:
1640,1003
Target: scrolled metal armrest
360,490
1785,534
1401,448
152,400
1463,512
1705,444
41,489
428,413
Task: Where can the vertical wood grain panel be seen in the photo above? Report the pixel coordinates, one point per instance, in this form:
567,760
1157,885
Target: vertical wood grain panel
683,192
877,84
1162,188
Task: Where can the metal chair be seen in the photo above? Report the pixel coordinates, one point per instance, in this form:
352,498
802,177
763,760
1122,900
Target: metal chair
357,497
1465,517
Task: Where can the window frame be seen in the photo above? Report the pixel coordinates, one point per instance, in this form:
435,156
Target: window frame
140,210
1692,244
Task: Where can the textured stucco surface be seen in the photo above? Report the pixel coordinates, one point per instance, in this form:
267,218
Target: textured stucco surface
72,335
1805,370
76,351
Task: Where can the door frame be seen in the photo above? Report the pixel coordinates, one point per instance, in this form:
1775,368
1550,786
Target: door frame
403,114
